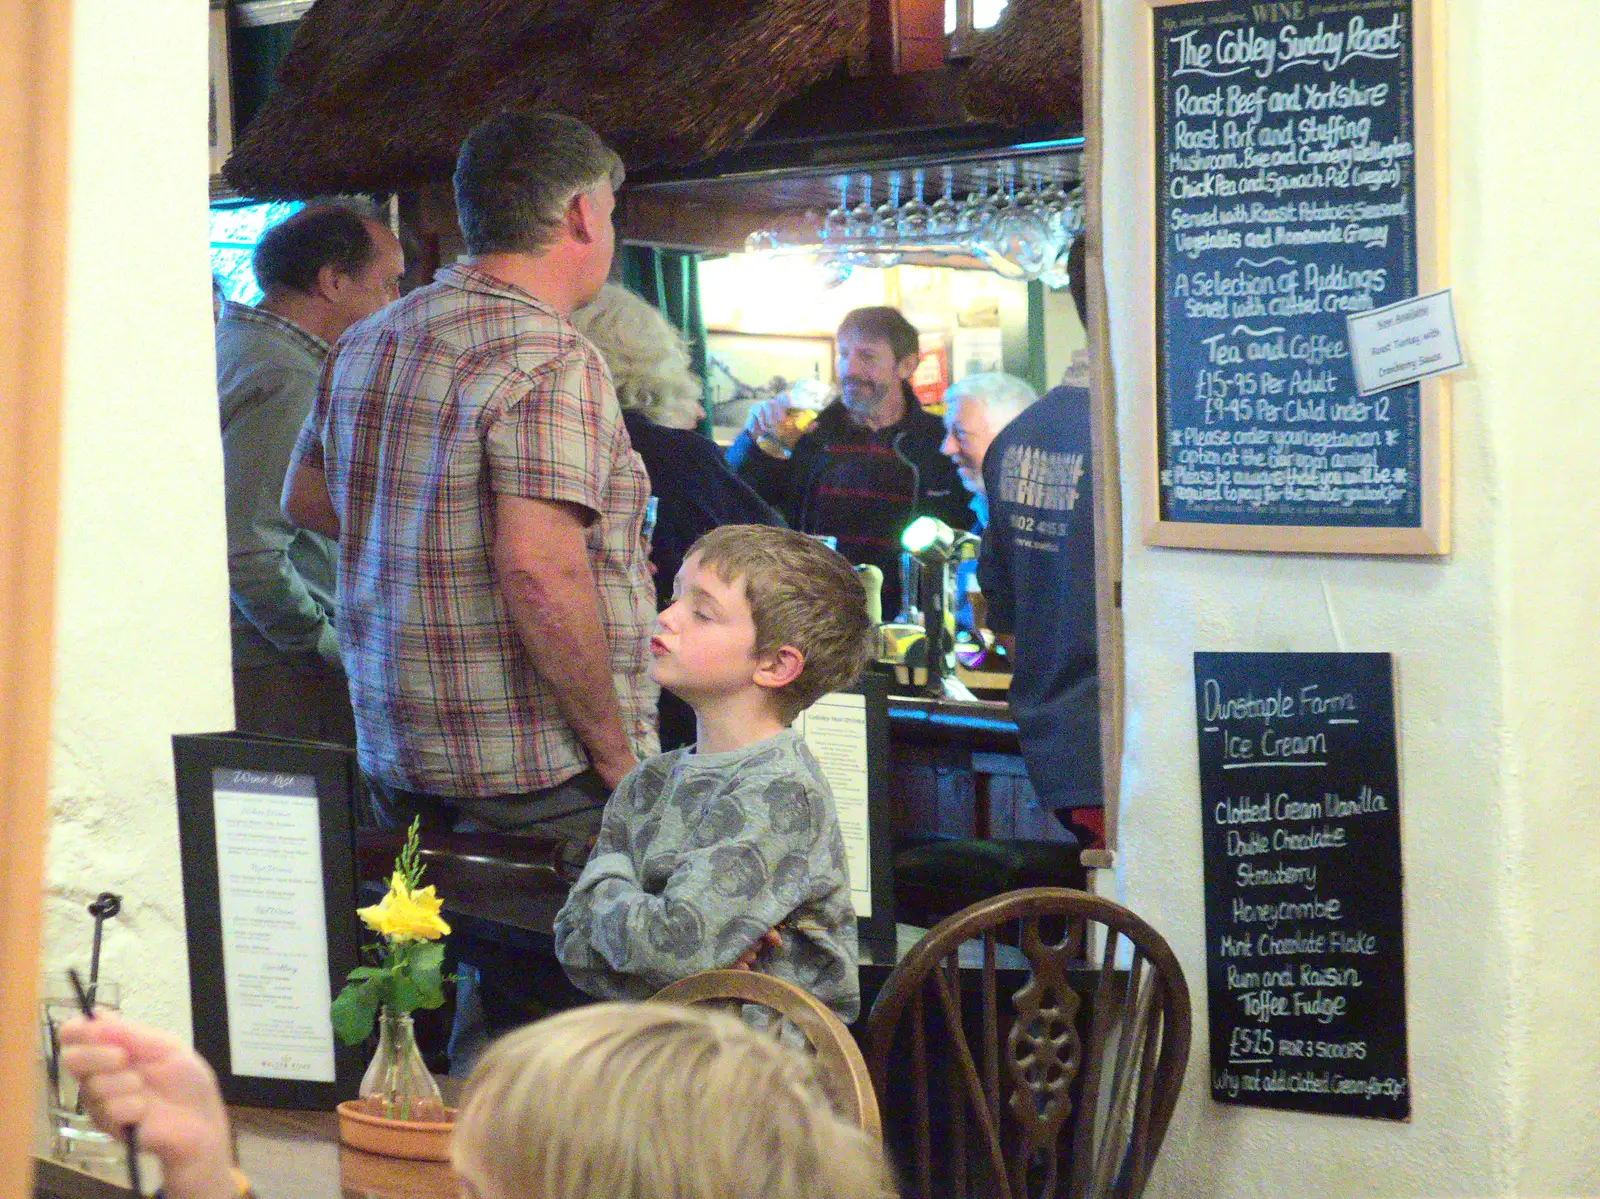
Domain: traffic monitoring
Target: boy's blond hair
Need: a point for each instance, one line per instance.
(655, 1101)
(801, 593)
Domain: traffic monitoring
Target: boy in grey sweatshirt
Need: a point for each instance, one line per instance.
(728, 854)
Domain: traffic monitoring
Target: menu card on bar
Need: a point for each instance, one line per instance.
(274, 922)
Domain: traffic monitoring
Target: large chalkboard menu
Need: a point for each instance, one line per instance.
(1288, 196)
(1300, 811)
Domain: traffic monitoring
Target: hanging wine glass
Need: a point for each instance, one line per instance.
(987, 217)
(1055, 275)
(944, 212)
(835, 225)
(834, 271)
(886, 217)
(1006, 190)
(1029, 195)
(1072, 215)
(914, 213)
(1019, 243)
(1066, 227)
(1051, 202)
(969, 217)
(1048, 203)
(859, 226)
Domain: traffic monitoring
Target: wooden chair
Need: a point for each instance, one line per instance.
(1082, 1055)
(841, 1070)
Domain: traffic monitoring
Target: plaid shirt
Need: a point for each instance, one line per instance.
(467, 389)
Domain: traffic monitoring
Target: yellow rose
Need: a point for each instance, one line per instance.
(404, 915)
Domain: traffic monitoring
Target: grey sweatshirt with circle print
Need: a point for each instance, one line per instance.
(698, 856)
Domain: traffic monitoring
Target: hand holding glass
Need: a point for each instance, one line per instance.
(74, 1130)
(780, 422)
(132, 1076)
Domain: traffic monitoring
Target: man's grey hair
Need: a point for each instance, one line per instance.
(517, 173)
(1004, 396)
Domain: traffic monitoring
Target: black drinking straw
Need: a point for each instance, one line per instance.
(105, 906)
(131, 1132)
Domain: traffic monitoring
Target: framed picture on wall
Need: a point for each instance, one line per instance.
(221, 120)
(745, 368)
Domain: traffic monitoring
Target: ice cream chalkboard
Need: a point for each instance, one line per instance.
(1290, 191)
(1300, 811)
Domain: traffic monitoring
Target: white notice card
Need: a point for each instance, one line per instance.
(274, 925)
(835, 731)
(1401, 343)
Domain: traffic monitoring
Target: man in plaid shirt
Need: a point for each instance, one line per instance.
(467, 449)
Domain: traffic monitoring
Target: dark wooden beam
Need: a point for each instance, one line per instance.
(687, 222)
(844, 122)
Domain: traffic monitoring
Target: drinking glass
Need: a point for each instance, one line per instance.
(886, 217)
(1019, 244)
(1005, 190)
(1029, 195)
(986, 216)
(1055, 275)
(73, 1134)
(762, 241)
(836, 224)
(944, 212)
(969, 216)
(834, 269)
(1050, 202)
(914, 213)
(805, 399)
(859, 226)
(1072, 215)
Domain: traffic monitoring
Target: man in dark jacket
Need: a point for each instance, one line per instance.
(1037, 575)
(870, 464)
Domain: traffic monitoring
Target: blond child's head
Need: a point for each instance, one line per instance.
(801, 595)
(655, 1101)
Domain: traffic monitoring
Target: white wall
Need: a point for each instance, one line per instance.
(1494, 652)
(1530, 240)
(142, 635)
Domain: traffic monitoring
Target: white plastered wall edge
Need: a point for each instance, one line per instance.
(142, 608)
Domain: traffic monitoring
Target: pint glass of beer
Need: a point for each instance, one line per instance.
(805, 400)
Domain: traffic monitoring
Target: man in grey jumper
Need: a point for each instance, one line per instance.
(322, 269)
(728, 854)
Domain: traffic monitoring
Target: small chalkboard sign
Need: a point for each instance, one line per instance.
(1300, 812)
(1292, 185)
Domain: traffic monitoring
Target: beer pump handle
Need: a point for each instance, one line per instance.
(872, 580)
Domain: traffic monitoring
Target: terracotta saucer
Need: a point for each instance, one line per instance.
(395, 1138)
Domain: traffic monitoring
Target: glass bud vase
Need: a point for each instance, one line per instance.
(397, 1085)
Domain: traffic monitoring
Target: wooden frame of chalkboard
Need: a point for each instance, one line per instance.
(1356, 483)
